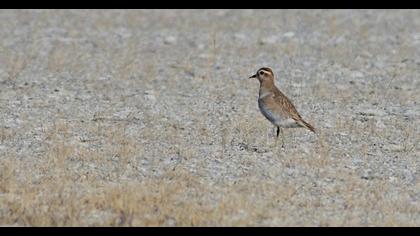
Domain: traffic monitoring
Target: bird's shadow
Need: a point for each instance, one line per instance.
(246, 147)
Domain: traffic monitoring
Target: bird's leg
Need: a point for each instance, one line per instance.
(282, 139)
(282, 136)
(277, 137)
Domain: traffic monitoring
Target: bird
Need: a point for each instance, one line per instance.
(275, 106)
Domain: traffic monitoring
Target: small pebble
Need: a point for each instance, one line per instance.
(170, 40)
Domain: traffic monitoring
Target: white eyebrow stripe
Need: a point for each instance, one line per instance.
(266, 71)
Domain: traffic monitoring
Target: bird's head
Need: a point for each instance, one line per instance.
(264, 74)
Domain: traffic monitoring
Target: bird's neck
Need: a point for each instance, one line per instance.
(266, 87)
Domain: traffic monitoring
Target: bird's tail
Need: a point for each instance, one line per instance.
(307, 125)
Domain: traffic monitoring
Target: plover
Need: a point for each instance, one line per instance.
(275, 106)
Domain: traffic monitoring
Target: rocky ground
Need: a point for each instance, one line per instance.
(147, 118)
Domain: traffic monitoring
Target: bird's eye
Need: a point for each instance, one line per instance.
(261, 72)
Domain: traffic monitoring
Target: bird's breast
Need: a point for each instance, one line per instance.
(274, 115)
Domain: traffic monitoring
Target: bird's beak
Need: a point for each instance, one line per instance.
(254, 76)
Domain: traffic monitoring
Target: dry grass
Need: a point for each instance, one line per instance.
(54, 192)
